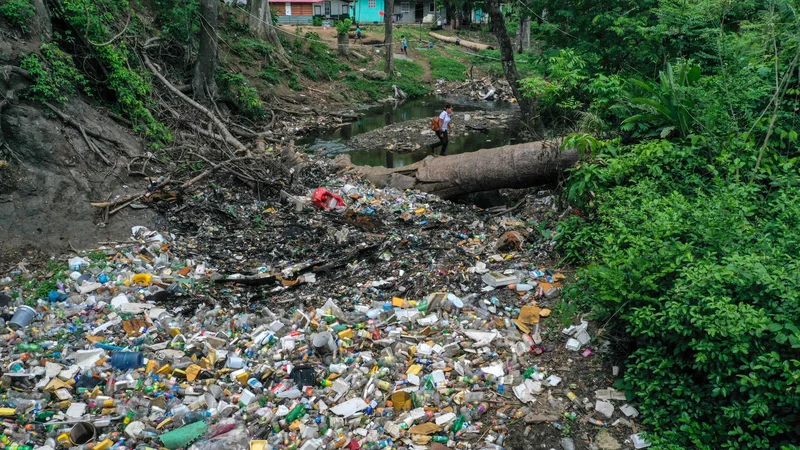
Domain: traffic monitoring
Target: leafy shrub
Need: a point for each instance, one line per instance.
(294, 83)
(271, 75)
(700, 269)
(177, 19)
(668, 105)
(130, 83)
(247, 47)
(447, 69)
(273, 13)
(561, 91)
(343, 26)
(55, 77)
(246, 98)
(316, 21)
(18, 13)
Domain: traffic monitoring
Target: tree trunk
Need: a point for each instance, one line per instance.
(203, 83)
(388, 14)
(512, 166)
(524, 34)
(42, 25)
(343, 41)
(527, 106)
(260, 23)
(470, 45)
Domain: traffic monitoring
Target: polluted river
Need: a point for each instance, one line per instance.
(399, 134)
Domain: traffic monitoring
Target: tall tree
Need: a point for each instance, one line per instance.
(260, 23)
(524, 32)
(388, 15)
(203, 84)
(527, 105)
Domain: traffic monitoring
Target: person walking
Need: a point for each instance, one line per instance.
(404, 45)
(441, 129)
(358, 34)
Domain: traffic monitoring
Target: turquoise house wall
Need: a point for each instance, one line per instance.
(364, 14)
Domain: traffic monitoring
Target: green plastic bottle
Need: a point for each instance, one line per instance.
(29, 347)
(296, 413)
(460, 422)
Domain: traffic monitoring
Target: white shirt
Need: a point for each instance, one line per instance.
(445, 120)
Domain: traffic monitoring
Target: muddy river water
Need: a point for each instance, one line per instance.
(377, 117)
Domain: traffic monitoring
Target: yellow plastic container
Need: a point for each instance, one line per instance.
(142, 278)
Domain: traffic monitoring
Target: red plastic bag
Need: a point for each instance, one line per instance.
(326, 199)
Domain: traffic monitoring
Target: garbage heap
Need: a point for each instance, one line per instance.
(410, 323)
(487, 88)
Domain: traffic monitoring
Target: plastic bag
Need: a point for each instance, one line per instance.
(326, 199)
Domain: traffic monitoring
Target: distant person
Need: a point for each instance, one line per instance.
(404, 45)
(440, 126)
(358, 34)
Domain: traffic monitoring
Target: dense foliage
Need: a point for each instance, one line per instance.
(54, 75)
(686, 201)
(17, 13)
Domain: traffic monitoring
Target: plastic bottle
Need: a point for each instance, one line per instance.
(296, 413)
(195, 416)
(459, 423)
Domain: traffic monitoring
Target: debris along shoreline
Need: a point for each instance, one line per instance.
(391, 320)
(415, 135)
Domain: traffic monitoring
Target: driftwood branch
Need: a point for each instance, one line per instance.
(214, 119)
(454, 40)
(75, 124)
(212, 170)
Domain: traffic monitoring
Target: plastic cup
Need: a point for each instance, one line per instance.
(82, 433)
(127, 360)
(22, 317)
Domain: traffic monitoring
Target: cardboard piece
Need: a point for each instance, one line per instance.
(425, 428)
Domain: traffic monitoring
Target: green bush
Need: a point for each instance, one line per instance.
(177, 19)
(55, 77)
(129, 82)
(700, 268)
(246, 98)
(561, 92)
(271, 75)
(294, 83)
(18, 13)
(447, 69)
(343, 26)
(316, 21)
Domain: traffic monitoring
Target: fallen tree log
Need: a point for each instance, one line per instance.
(509, 167)
(470, 45)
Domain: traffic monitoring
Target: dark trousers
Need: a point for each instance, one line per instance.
(443, 141)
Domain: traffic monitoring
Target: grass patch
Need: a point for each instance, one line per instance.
(447, 69)
(374, 89)
(408, 69)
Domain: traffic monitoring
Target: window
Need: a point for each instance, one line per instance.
(328, 9)
(432, 7)
(405, 7)
(371, 3)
